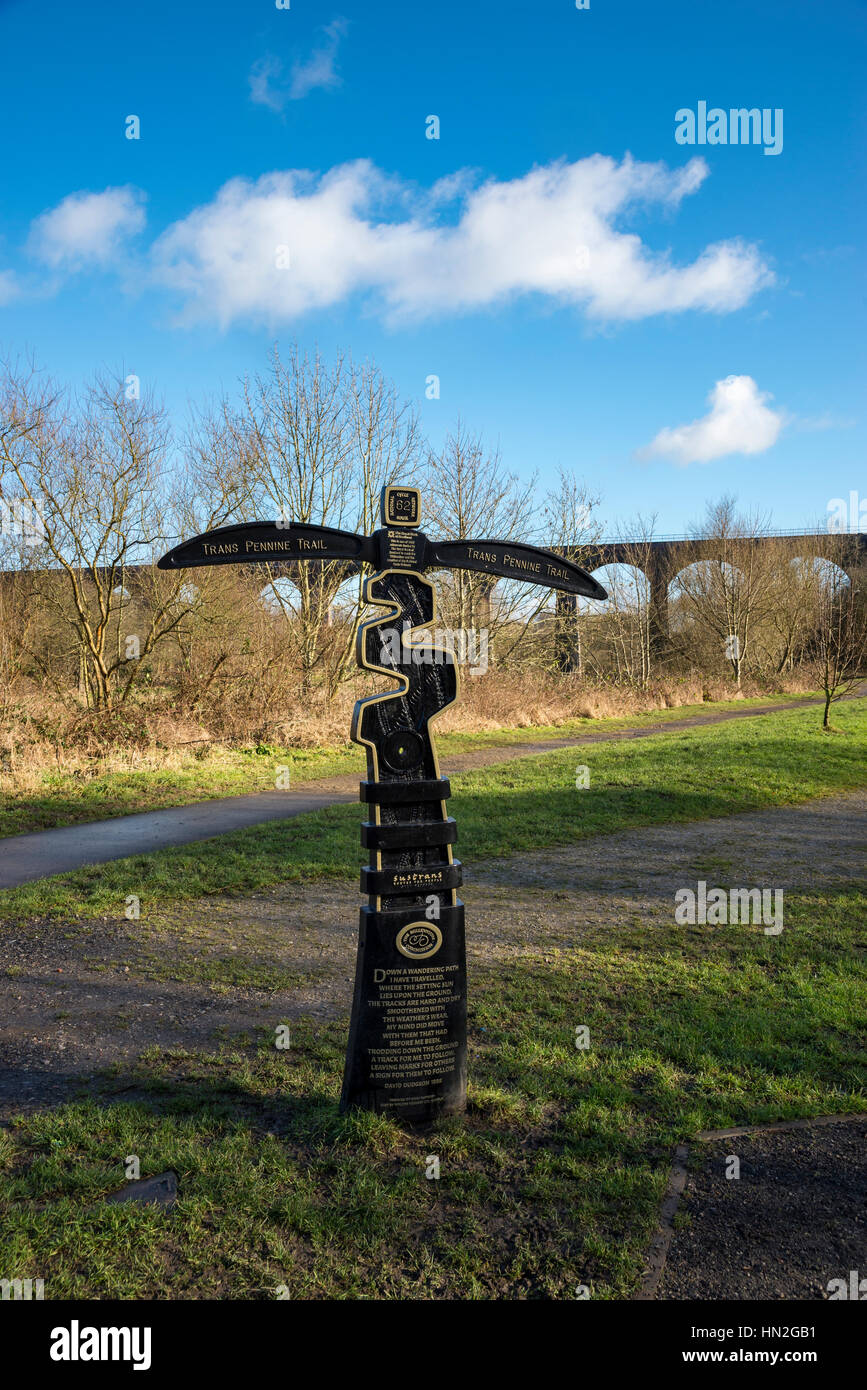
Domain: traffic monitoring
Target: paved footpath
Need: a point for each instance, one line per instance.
(43, 853)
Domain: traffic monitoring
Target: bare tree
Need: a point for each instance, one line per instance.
(725, 587)
(93, 468)
(841, 637)
(470, 495)
(622, 627)
(216, 484)
(792, 584)
(636, 595)
(296, 435)
(572, 528)
(314, 442)
(385, 446)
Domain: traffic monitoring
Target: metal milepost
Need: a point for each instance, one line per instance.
(407, 1051)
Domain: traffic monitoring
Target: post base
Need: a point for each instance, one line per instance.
(407, 1053)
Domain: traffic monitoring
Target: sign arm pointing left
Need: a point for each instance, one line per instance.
(264, 542)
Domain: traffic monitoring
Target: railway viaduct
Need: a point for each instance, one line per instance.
(661, 560)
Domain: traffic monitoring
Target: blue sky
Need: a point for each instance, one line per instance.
(671, 321)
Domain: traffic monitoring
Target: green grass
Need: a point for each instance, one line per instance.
(718, 770)
(66, 797)
(552, 1180)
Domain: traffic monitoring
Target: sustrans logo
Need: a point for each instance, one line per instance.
(77, 1343)
(419, 940)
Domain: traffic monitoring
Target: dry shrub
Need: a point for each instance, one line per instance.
(41, 733)
(527, 699)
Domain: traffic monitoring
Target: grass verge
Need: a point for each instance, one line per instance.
(718, 770)
(552, 1180)
(63, 797)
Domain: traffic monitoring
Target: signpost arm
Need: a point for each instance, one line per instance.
(267, 543)
(515, 560)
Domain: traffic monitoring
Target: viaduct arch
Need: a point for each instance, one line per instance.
(663, 559)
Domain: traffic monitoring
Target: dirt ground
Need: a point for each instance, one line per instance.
(793, 1221)
(79, 998)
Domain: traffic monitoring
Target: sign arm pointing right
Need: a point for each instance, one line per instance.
(514, 560)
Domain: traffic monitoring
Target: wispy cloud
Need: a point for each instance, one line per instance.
(739, 422)
(9, 287)
(555, 232)
(265, 77)
(318, 70)
(813, 424)
(87, 229)
(269, 85)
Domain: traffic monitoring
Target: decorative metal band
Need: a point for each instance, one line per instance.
(405, 793)
(409, 834)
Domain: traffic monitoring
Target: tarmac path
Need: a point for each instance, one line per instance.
(44, 853)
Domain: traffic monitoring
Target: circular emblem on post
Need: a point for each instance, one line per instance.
(418, 940)
(403, 750)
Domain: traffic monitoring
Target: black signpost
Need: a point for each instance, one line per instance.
(407, 1052)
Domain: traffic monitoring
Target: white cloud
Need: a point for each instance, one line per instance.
(9, 287)
(555, 232)
(738, 422)
(87, 228)
(268, 87)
